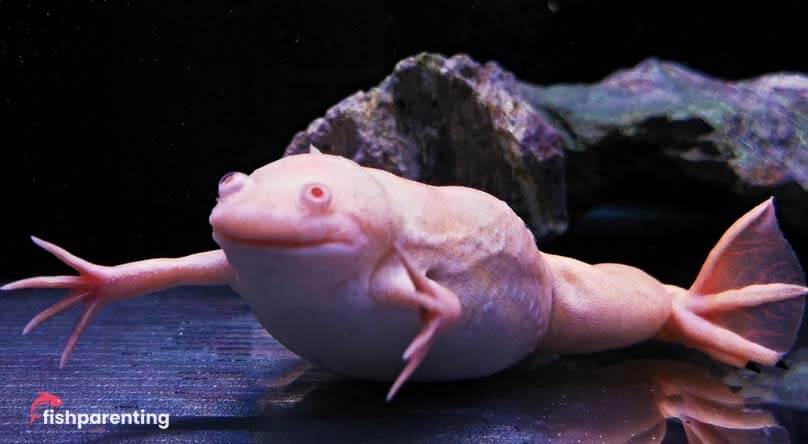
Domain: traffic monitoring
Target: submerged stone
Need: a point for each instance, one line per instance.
(452, 121)
(748, 137)
(657, 129)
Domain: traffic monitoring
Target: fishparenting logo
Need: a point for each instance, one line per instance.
(47, 402)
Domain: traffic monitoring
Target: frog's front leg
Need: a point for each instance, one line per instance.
(398, 281)
(97, 285)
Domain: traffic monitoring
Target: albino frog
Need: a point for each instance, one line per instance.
(354, 268)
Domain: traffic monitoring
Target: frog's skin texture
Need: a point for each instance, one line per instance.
(354, 269)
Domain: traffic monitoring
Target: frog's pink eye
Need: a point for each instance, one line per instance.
(231, 183)
(316, 195)
(316, 192)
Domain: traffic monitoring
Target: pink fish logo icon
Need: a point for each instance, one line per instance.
(42, 399)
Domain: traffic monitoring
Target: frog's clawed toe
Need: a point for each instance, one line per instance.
(85, 287)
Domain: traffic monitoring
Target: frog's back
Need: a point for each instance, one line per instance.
(475, 245)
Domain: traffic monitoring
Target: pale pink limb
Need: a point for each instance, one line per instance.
(69, 301)
(440, 308)
(46, 282)
(413, 361)
(72, 261)
(723, 356)
(81, 325)
(97, 285)
(747, 302)
(423, 339)
(701, 332)
(749, 296)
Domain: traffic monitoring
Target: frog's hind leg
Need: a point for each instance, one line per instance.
(748, 299)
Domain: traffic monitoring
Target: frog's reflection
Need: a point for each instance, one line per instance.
(629, 402)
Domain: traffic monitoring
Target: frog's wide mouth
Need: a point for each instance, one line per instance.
(279, 243)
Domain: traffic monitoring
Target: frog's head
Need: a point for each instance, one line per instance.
(309, 207)
(303, 235)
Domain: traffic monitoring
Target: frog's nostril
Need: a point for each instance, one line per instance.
(231, 183)
(227, 178)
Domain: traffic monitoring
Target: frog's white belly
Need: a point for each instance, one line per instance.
(330, 320)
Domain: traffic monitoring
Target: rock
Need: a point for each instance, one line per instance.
(747, 137)
(452, 121)
(658, 131)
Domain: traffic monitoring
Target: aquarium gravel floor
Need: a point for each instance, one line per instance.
(201, 356)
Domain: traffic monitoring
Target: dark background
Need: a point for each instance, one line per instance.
(121, 116)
